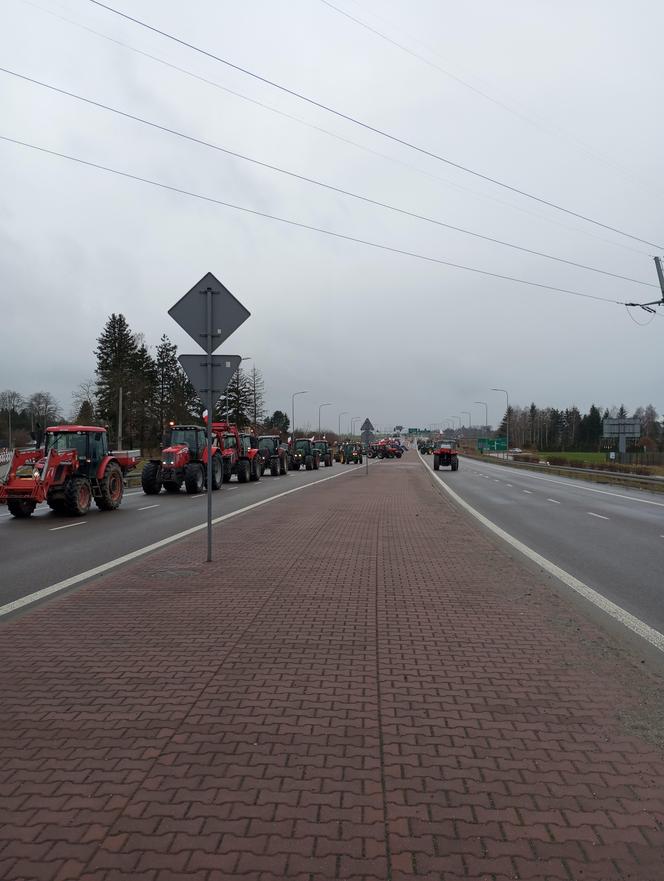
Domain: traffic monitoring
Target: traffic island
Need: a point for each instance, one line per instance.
(363, 685)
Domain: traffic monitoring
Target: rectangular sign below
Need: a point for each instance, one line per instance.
(223, 369)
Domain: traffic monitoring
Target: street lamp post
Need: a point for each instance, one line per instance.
(467, 413)
(486, 412)
(293, 411)
(352, 424)
(343, 413)
(507, 419)
(320, 407)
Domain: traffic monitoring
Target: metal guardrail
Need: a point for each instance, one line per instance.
(594, 475)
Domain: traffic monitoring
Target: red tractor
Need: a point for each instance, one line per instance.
(239, 452)
(445, 454)
(73, 469)
(183, 460)
(275, 454)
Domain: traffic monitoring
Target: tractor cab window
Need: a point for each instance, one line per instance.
(98, 446)
(302, 445)
(249, 442)
(230, 442)
(67, 440)
(322, 446)
(185, 436)
(269, 443)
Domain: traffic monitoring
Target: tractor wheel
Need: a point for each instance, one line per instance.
(309, 463)
(255, 469)
(172, 486)
(151, 478)
(21, 508)
(217, 471)
(283, 466)
(111, 488)
(56, 505)
(274, 466)
(227, 470)
(328, 461)
(193, 478)
(436, 463)
(359, 461)
(243, 471)
(78, 496)
(316, 463)
(455, 465)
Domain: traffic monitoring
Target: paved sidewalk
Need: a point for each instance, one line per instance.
(366, 687)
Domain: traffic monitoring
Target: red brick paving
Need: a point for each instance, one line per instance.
(365, 688)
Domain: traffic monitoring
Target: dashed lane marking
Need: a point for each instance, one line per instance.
(645, 631)
(140, 552)
(528, 491)
(601, 492)
(147, 507)
(68, 525)
(555, 501)
(599, 516)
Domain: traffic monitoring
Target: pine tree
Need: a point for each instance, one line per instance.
(258, 396)
(141, 409)
(85, 414)
(240, 401)
(116, 353)
(278, 422)
(169, 375)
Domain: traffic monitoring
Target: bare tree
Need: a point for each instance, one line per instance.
(83, 399)
(12, 402)
(44, 409)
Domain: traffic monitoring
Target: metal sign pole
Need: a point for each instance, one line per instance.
(210, 404)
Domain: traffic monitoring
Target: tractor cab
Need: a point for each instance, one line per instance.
(89, 444)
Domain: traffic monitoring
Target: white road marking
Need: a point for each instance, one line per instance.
(530, 492)
(495, 480)
(555, 502)
(654, 637)
(68, 526)
(602, 492)
(508, 484)
(599, 516)
(140, 552)
(147, 507)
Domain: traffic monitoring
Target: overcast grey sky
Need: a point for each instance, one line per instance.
(572, 115)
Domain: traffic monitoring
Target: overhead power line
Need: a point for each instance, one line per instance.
(365, 125)
(520, 114)
(318, 183)
(295, 223)
(317, 128)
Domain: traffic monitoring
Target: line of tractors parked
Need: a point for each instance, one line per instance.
(73, 467)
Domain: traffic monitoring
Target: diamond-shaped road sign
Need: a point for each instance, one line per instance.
(223, 368)
(191, 313)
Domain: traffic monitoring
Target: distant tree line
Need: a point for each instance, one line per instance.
(570, 430)
(154, 390)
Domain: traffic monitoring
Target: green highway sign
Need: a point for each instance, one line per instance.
(492, 444)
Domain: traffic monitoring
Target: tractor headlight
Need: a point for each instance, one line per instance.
(35, 474)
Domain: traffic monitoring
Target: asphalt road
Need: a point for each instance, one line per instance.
(49, 548)
(611, 538)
